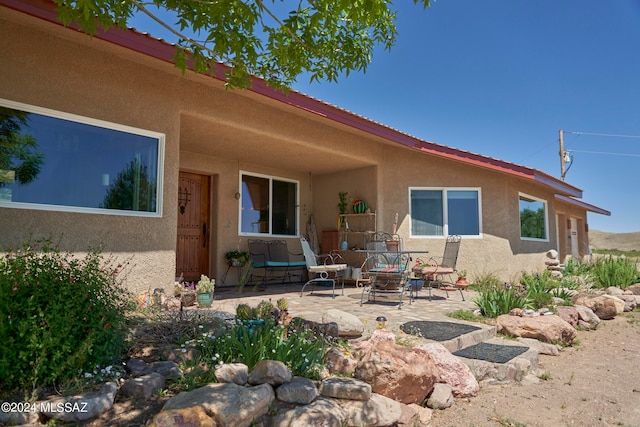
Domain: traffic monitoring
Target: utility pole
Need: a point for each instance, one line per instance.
(563, 172)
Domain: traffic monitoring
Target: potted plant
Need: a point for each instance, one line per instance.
(342, 205)
(342, 210)
(462, 281)
(393, 244)
(204, 289)
(237, 258)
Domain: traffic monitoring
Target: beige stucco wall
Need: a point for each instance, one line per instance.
(221, 133)
(45, 70)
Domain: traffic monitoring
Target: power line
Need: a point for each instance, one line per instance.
(604, 134)
(566, 156)
(611, 154)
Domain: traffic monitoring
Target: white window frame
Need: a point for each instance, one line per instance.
(445, 209)
(271, 178)
(546, 217)
(103, 124)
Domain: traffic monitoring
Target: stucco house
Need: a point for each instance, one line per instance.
(174, 170)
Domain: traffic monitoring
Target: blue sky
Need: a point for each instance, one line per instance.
(502, 77)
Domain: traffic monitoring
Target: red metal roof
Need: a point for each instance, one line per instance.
(160, 49)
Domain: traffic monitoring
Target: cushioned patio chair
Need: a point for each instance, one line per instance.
(438, 272)
(326, 272)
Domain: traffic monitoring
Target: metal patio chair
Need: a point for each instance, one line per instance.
(326, 272)
(437, 272)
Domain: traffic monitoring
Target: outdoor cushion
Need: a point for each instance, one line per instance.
(284, 264)
(328, 268)
(432, 269)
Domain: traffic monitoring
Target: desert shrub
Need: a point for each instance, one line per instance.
(538, 288)
(251, 341)
(570, 282)
(487, 281)
(60, 315)
(563, 294)
(574, 267)
(496, 300)
(614, 271)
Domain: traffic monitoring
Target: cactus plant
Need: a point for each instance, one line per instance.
(244, 312)
(264, 310)
(282, 304)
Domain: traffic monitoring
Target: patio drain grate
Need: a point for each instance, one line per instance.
(436, 331)
(495, 353)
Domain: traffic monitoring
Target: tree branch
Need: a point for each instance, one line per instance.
(181, 36)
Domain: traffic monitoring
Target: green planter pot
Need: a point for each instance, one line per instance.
(205, 299)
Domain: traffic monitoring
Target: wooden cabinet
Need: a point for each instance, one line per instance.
(330, 241)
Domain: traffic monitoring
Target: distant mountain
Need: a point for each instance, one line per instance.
(621, 241)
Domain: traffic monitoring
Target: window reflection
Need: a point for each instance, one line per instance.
(440, 212)
(74, 164)
(269, 206)
(532, 218)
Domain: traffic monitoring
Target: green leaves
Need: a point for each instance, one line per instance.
(614, 271)
(325, 38)
(251, 341)
(58, 314)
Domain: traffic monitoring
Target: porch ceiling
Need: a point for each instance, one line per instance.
(249, 145)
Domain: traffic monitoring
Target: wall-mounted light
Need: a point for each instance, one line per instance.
(183, 198)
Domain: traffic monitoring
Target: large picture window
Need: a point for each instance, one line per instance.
(442, 212)
(269, 206)
(56, 161)
(533, 218)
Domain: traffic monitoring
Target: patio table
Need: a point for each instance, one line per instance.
(390, 273)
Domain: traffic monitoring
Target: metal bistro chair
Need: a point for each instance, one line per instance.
(434, 272)
(386, 267)
(321, 273)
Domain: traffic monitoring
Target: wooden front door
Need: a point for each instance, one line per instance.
(192, 248)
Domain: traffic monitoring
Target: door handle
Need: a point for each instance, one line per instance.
(204, 234)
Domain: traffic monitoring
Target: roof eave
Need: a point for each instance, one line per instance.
(589, 207)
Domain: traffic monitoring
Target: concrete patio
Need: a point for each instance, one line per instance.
(311, 306)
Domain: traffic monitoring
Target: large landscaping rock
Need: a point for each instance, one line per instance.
(603, 307)
(568, 314)
(399, 373)
(588, 316)
(550, 329)
(349, 326)
(299, 390)
(81, 407)
(341, 362)
(272, 372)
(452, 371)
(634, 289)
(185, 417)
(321, 412)
(230, 405)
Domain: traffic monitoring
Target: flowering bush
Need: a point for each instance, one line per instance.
(59, 315)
